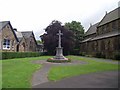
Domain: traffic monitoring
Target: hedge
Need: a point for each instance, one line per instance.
(11, 55)
(117, 55)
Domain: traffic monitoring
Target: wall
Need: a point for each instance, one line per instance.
(8, 34)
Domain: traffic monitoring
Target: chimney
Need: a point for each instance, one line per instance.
(15, 29)
(106, 12)
(90, 24)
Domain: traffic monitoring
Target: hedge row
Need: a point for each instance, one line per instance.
(11, 55)
(115, 56)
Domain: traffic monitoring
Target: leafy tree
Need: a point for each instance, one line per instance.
(78, 31)
(50, 38)
(39, 42)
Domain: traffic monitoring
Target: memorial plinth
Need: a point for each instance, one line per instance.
(59, 54)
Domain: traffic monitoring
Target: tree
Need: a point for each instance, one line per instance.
(50, 38)
(39, 42)
(78, 31)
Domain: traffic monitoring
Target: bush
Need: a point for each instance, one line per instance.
(82, 53)
(11, 55)
(117, 56)
(58, 61)
(99, 55)
(75, 52)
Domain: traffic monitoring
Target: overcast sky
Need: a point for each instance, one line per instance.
(35, 15)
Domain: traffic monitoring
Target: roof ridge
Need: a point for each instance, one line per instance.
(113, 10)
(112, 15)
(4, 21)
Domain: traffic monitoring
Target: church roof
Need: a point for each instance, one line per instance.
(88, 39)
(3, 24)
(107, 35)
(92, 29)
(111, 16)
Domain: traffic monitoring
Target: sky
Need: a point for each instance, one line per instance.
(36, 15)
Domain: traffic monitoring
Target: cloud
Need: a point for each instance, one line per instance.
(26, 15)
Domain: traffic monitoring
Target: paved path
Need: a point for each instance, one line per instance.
(97, 80)
(40, 76)
(93, 80)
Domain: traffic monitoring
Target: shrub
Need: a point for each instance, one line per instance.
(82, 53)
(58, 61)
(89, 55)
(117, 56)
(75, 52)
(99, 55)
(11, 55)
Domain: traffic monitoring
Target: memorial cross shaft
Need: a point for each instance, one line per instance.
(59, 42)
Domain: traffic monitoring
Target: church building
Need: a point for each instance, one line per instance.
(103, 38)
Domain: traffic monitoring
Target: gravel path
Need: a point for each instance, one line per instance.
(40, 76)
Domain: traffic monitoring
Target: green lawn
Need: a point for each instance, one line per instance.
(0, 74)
(59, 72)
(17, 73)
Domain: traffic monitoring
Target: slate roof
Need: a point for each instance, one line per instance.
(3, 24)
(19, 35)
(92, 29)
(111, 16)
(88, 39)
(107, 35)
(27, 34)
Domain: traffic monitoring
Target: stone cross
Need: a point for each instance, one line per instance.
(59, 34)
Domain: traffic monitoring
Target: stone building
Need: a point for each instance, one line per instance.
(103, 37)
(8, 38)
(15, 41)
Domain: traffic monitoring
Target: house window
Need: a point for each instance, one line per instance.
(6, 44)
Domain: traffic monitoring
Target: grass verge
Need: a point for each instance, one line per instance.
(17, 73)
(59, 72)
